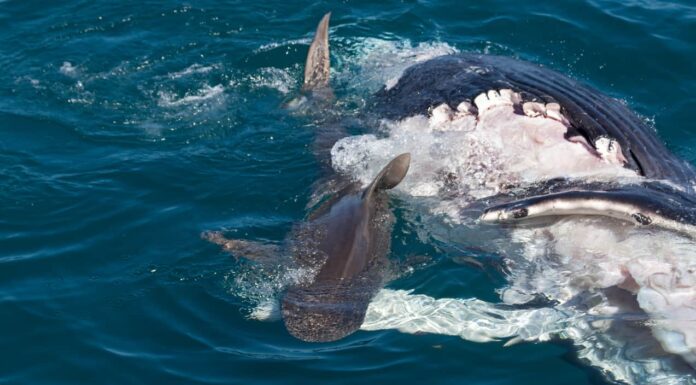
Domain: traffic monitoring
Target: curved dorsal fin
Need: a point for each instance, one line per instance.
(391, 175)
(316, 75)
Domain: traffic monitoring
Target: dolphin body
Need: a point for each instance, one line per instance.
(346, 240)
(344, 243)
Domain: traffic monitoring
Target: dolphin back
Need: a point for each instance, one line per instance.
(353, 240)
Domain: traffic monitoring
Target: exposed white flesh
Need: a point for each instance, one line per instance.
(481, 150)
(478, 149)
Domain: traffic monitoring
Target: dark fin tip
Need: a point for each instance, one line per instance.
(391, 175)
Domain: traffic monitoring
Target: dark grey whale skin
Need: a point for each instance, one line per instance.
(454, 78)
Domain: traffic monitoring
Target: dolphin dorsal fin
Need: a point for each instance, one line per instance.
(391, 175)
(316, 75)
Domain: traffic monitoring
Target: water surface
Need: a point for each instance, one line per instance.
(127, 128)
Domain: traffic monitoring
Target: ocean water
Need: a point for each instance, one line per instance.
(128, 128)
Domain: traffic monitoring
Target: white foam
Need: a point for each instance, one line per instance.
(191, 70)
(267, 311)
(285, 43)
(68, 69)
(206, 93)
(279, 79)
(361, 64)
(367, 64)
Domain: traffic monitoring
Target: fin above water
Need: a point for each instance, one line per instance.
(317, 66)
(391, 175)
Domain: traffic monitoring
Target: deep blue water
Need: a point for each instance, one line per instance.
(127, 128)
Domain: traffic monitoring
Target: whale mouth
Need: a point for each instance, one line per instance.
(482, 147)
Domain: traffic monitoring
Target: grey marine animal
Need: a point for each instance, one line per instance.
(344, 243)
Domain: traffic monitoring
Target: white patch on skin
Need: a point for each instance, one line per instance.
(480, 149)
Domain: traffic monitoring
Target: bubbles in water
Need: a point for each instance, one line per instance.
(279, 79)
(192, 70)
(204, 94)
(68, 69)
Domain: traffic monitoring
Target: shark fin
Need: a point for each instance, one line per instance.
(316, 75)
(391, 175)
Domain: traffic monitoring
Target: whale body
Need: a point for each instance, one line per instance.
(598, 214)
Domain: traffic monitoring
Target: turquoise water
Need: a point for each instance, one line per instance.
(127, 128)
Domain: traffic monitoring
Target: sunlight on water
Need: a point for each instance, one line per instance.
(130, 128)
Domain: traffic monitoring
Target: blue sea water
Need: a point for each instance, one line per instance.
(128, 128)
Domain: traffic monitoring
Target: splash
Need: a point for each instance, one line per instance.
(259, 286)
(206, 93)
(480, 149)
(621, 347)
(282, 80)
(192, 70)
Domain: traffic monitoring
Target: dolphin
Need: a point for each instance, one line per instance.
(344, 246)
(344, 243)
(347, 239)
